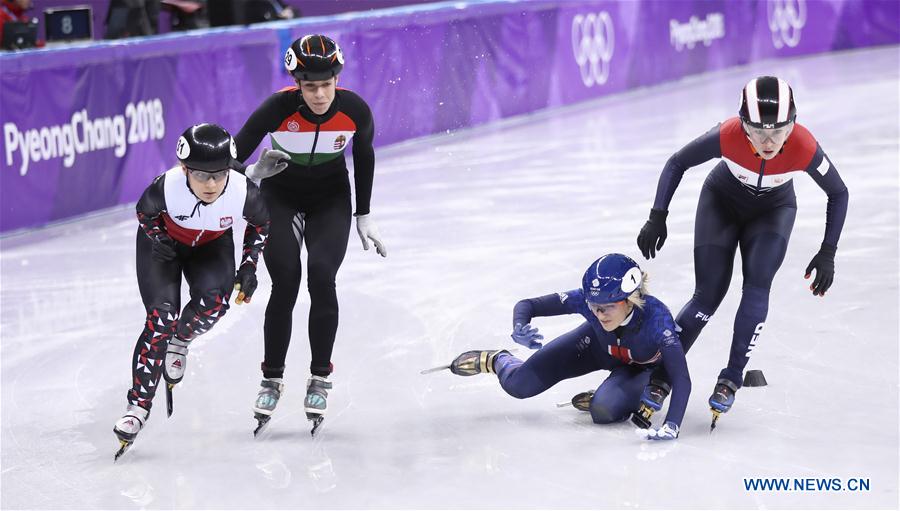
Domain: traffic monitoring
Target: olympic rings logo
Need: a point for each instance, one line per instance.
(593, 43)
(786, 19)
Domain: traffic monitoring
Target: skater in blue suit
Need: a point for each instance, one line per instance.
(626, 331)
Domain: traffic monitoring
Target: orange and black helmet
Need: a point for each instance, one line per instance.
(314, 57)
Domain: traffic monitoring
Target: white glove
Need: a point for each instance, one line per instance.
(668, 431)
(268, 165)
(367, 230)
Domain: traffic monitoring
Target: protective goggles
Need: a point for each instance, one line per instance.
(763, 135)
(603, 308)
(204, 175)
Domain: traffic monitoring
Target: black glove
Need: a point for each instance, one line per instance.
(653, 234)
(823, 263)
(163, 249)
(245, 283)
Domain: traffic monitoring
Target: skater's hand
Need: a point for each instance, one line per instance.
(653, 234)
(527, 336)
(367, 230)
(245, 283)
(163, 249)
(271, 162)
(668, 431)
(823, 263)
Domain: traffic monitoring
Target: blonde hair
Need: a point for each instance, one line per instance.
(637, 298)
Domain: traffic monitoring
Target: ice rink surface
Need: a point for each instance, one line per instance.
(474, 221)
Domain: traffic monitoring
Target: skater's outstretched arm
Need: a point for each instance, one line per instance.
(704, 148)
(676, 366)
(255, 236)
(556, 304)
(826, 176)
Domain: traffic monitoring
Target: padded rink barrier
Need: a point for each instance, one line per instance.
(85, 128)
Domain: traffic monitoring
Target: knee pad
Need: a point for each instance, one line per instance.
(606, 410)
(201, 314)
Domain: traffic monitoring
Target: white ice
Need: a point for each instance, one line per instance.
(474, 221)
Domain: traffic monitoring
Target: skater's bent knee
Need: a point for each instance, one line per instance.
(519, 393)
(602, 414)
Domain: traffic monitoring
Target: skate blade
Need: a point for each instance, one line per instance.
(317, 422)
(169, 399)
(262, 423)
(640, 421)
(564, 404)
(715, 418)
(434, 369)
(124, 445)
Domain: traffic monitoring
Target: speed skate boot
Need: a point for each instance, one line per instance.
(582, 400)
(316, 402)
(721, 400)
(475, 362)
(128, 427)
(269, 393)
(175, 365)
(652, 399)
(176, 360)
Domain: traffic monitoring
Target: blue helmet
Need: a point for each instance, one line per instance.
(612, 278)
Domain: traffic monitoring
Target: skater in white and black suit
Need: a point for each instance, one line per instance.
(186, 217)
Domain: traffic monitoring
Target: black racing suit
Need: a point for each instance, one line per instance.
(309, 202)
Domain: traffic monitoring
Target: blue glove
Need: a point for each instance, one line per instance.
(527, 336)
(668, 431)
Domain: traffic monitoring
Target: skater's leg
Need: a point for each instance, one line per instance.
(327, 233)
(763, 247)
(567, 356)
(620, 394)
(160, 286)
(209, 271)
(282, 257)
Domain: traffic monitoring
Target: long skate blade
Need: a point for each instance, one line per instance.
(434, 369)
(564, 404)
(124, 445)
(169, 399)
(317, 421)
(262, 423)
(712, 426)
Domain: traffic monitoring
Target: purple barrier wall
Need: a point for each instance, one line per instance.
(88, 128)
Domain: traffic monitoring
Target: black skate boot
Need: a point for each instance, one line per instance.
(721, 400)
(652, 400)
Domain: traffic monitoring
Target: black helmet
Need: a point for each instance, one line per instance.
(314, 57)
(767, 102)
(207, 147)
